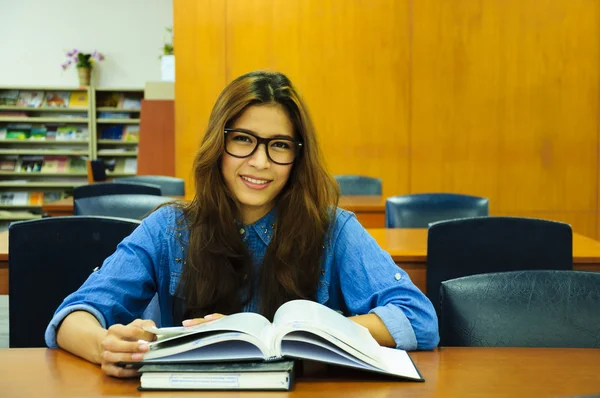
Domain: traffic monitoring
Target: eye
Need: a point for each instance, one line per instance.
(281, 145)
(242, 138)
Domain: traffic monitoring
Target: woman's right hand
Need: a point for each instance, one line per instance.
(125, 343)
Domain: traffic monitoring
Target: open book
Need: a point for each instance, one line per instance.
(300, 329)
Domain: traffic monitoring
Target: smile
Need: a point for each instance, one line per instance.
(252, 180)
(255, 183)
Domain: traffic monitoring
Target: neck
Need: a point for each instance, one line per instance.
(251, 214)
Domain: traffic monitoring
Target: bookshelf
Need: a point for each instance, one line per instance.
(48, 133)
(116, 128)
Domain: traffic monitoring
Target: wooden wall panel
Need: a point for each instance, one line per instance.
(505, 104)
(199, 41)
(349, 59)
(498, 98)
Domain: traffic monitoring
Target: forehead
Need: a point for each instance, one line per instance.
(265, 120)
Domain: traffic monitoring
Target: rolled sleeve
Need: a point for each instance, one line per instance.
(398, 325)
(371, 282)
(52, 328)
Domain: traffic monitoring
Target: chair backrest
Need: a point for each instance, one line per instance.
(50, 258)
(471, 246)
(419, 210)
(125, 206)
(522, 309)
(111, 188)
(169, 186)
(351, 185)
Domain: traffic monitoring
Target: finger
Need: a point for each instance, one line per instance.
(131, 333)
(117, 371)
(141, 323)
(198, 321)
(115, 344)
(109, 357)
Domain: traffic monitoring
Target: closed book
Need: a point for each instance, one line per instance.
(300, 329)
(278, 375)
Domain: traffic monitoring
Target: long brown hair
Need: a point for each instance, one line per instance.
(217, 275)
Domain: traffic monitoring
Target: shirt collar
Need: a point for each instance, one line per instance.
(264, 227)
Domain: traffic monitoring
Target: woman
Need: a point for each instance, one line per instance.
(262, 229)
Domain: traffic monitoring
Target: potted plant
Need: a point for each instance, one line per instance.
(167, 58)
(84, 63)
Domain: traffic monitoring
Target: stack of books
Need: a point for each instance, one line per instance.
(247, 352)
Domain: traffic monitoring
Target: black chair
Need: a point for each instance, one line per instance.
(471, 246)
(169, 186)
(522, 309)
(50, 258)
(111, 188)
(419, 210)
(351, 185)
(125, 206)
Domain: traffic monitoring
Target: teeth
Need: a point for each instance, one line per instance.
(252, 180)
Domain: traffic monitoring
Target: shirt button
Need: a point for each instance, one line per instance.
(398, 276)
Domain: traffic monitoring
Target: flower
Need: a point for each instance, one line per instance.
(81, 59)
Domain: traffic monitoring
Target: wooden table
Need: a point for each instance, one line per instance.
(408, 248)
(370, 210)
(448, 372)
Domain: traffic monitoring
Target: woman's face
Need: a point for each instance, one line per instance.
(256, 181)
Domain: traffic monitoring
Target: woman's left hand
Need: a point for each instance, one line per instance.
(198, 321)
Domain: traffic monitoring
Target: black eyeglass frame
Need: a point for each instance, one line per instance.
(266, 141)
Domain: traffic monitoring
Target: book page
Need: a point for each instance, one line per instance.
(216, 346)
(304, 315)
(246, 322)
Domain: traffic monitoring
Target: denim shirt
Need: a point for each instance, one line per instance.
(357, 277)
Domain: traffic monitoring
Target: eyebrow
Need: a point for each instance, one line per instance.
(284, 136)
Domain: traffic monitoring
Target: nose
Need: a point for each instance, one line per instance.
(259, 159)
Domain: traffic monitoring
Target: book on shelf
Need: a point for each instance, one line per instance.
(30, 99)
(9, 97)
(131, 102)
(119, 132)
(14, 198)
(109, 100)
(57, 99)
(131, 133)
(300, 329)
(276, 375)
(31, 164)
(55, 164)
(78, 99)
(9, 163)
(113, 115)
(22, 198)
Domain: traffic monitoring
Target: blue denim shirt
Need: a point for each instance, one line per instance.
(357, 277)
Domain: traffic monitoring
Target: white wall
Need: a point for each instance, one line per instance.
(36, 34)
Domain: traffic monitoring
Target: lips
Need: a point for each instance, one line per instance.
(253, 180)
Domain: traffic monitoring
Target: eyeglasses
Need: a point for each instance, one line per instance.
(242, 143)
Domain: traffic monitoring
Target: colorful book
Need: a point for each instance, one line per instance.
(109, 100)
(9, 97)
(31, 99)
(78, 99)
(57, 99)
